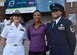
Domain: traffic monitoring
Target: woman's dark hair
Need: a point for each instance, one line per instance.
(36, 11)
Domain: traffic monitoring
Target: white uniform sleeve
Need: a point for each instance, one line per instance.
(25, 35)
(4, 32)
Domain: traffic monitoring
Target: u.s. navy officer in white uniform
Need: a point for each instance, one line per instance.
(13, 36)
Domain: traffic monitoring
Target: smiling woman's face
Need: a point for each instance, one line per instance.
(16, 19)
(37, 16)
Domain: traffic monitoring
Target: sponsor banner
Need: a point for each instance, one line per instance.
(24, 6)
(22, 10)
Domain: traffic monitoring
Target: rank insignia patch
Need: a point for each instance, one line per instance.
(71, 28)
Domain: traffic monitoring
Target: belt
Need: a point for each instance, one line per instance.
(14, 44)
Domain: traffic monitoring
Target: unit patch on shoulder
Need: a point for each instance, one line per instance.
(71, 28)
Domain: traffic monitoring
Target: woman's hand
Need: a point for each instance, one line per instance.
(3, 41)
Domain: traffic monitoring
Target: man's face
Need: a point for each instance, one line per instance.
(56, 14)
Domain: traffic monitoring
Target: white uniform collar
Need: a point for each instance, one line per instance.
(57, 20)
(13, 25)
